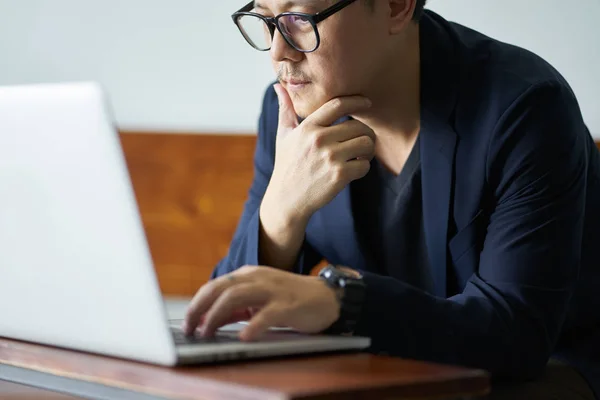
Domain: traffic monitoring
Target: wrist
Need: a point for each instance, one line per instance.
(280, 236)
(350, 289)
(280, 213)
(332, 307)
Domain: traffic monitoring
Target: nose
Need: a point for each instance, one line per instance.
(281, 50)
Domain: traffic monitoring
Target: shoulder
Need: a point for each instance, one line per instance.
(486, 58)
(488, 77)
(500, 85)
(513, 110)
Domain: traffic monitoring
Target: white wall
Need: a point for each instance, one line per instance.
(174, 65)
(182, 65)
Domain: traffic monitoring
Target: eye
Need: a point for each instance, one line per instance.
(299, 20)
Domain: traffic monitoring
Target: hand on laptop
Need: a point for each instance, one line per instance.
(266, 297)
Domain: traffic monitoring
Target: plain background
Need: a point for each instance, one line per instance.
(183, 66)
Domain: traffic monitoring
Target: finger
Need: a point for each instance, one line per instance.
(360, 147)
(337, 108)
(261, 322)
(357, 169)
(205, 297)
(348, 130)
(240, 315)
(231, 301)
(288, 119)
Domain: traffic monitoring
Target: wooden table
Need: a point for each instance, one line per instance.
(326, 376)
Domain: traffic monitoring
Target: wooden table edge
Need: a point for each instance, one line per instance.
(478, 381)
(462, 382)
(234, 390)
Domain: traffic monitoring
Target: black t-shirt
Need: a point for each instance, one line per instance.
(388, 213)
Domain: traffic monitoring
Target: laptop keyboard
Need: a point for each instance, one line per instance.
(180, 338)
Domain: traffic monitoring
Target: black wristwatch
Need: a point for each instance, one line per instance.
(352, 294)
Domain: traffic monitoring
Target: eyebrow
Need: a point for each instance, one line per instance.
(289, 4)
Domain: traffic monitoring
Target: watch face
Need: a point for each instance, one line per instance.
(341, 276)
(327, 272)
(349, 273)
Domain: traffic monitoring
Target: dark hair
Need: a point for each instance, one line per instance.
(418, 8)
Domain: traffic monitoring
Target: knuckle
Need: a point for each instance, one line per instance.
(209, 291)
(329, 156)
(318, 139)
(247, 269)
(367, 141)
(230, 294)
(238, 292)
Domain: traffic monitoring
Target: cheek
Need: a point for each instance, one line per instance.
(325, 72)
(343, 63)
(341, 72)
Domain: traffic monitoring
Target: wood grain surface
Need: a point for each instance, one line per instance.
(191, 191)
(354, 375)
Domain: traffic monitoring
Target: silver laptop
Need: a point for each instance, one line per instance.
(75, 267)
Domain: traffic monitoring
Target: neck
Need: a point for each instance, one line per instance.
(395, 113)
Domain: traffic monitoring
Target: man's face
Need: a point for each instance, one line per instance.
(345, 63)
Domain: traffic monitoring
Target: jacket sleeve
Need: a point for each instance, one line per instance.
(244, 248)
(509, 315)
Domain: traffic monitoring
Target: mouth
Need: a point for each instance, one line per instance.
(295, 84)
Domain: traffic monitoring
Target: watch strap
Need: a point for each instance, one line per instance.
(351, 299)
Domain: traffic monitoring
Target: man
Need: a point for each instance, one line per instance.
(448, 176)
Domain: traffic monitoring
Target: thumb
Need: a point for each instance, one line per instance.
(287, 116)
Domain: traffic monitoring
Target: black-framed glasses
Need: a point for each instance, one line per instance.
(298, 29)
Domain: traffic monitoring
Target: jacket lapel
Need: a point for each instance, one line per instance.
(440, 75)
(438, 145)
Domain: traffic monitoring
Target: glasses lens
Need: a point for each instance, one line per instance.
(256, 31)
(299, 31)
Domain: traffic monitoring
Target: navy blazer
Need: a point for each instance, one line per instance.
(511, 208)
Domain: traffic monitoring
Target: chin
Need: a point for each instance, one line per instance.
(302, 111)
(305, 106)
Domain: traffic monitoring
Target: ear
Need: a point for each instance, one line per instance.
(401, 13)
